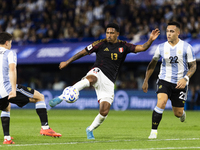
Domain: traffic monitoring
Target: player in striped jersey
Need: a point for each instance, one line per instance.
(20, 95)
(174, 75)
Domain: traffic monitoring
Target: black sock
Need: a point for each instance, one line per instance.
(156, 118)
(42, 113)
(5, 125)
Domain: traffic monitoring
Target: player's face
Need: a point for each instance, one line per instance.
(172, 33)
(9, 44)
(111, 35)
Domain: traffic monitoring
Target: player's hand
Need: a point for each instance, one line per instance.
(154, 34)
(63, 65)
(181, 84)
(12, 94)
(145, 87)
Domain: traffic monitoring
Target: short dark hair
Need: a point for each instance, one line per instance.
(113, 25)
(4, 36)
(175, 24)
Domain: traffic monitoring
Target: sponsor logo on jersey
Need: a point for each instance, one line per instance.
(121, 49)
(106, 49)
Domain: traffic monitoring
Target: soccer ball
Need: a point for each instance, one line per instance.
(70, 94)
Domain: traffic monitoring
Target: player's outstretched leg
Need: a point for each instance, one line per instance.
(49, 132)
(183, 117)
(55, 101)
(89, 133)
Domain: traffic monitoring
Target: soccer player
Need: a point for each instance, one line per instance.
(110, 54)
(174, 75)
(20, 95)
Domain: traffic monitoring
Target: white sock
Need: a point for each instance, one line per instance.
(97, 122)
(45, 127)
(153, 130)
(7, 137)
(82, 84)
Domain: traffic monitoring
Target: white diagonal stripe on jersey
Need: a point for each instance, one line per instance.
(25, 93)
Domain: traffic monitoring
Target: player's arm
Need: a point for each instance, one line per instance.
(192, 68)
(149, 71)
(154, 34)
(73, 58)
(13, 79)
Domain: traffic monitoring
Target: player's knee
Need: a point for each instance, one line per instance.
(92, 79)
(7, 109)
(178, 114)
(38, 96)
(104, 113)
(42, 97)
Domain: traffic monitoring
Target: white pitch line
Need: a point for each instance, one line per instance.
(110, 141)
(163, 148)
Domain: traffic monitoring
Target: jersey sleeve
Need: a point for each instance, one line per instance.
(12, 57)
(93, 47)
(190, 54)
(131, 47)
(157, 54)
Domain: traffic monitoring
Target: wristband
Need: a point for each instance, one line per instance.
(186, 77)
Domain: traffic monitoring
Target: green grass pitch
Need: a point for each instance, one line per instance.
(122, 130)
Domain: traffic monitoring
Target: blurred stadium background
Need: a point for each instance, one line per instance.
(47, 32)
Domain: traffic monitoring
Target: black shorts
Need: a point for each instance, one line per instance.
(177, 96)
(21, 99)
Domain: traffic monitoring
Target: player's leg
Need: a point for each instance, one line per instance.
(86, 82)
(178, 99)
(178, 108)
(179, 113)
(5, 120)
(41, 110)
(104, 88)
(157, 114)
(103, 112)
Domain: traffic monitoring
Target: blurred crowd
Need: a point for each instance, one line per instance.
(59, 21)
(54, 21)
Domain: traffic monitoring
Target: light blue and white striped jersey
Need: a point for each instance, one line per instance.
(175, 60)
(6, 57)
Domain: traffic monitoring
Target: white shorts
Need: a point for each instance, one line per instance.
(104, 87)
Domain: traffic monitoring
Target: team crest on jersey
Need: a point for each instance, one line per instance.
(179, 52)
(121, 49)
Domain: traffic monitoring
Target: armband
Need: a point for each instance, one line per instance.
(186, 78)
